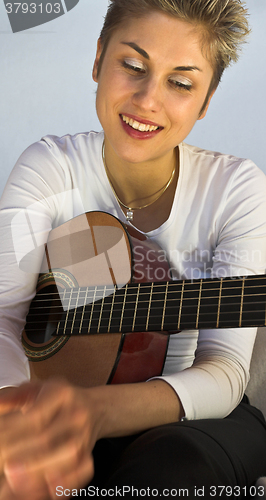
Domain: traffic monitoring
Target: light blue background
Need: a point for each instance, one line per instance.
(46, 86)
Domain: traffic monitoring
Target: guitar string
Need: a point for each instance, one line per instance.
(194, 282)
(127, 327)
(160, 301)
(154, 300)
(148, 286)
(189, 283)
(108, 298)
(175, 303)
(171, 321)
(170, 317)
(175, 300)
(39, 298)
(143, 309)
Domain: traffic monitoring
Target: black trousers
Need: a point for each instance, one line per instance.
(215, 458)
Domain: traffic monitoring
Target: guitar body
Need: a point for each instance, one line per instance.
(89, 250)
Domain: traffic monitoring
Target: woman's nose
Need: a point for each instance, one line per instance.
(148, 95)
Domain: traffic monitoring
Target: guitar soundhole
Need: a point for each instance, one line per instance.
(44, 314)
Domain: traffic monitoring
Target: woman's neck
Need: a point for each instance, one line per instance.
(137, 184)
(148, 187)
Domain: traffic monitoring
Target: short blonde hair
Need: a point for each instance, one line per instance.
(223, 23)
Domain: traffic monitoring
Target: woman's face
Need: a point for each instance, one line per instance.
(151, 87)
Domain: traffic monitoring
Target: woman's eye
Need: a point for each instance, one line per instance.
(181, 84)
(135, 66)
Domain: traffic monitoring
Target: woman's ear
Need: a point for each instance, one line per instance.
(203, 114)
(96, 62)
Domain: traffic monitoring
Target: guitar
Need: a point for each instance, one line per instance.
(104, 309)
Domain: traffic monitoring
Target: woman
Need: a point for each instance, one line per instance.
(187, 433)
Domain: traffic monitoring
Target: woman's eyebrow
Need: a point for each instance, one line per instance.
(143, 53)
(187, 68)
(134, 46)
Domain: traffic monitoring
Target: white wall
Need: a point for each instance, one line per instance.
(236, 120)
(46, 86)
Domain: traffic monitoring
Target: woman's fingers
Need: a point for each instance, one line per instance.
(73, 479)
(64, 475)
(52, 439)
(38, 487)
(32, 490)
(62, 439)
(14, 398)
(66, 456)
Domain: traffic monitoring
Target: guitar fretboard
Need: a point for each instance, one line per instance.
(164, 306)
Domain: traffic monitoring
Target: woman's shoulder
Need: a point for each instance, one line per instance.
(54, 153)
(212, 157)
(89, 138)
(220, 164)
(80, 143)
(51, 147)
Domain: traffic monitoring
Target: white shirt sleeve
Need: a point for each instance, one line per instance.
(27, 209)
(215, 383)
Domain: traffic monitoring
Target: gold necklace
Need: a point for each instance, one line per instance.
(130, 210)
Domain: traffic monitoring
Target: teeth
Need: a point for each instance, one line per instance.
(138, 126)
(142, 127)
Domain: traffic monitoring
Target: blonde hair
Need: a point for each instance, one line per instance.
(223, 23)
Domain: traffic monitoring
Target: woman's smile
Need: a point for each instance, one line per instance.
(139, 128)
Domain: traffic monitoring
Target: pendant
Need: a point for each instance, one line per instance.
(129, 215)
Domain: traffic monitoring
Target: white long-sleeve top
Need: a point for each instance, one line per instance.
(216, 228)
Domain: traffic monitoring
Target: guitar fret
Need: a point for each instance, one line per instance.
(149, 308)
(231, 303)
(83, 311)
(92, 308)
(111, 312)
(253, 313)
(181, 305)
(159, 307)
(209, 303)
(123, 308)
(101, 311)
(143, 305)
(198, 310)
(75, 312)
(191, 312)
(241, 303)
(68, 309)
(219, 303)
(164, 305)
(115, 322)
(59, 322)
(136, 306)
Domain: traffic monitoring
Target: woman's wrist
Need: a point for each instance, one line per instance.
(121, 410)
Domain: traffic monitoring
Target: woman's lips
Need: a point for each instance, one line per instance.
(137, 129)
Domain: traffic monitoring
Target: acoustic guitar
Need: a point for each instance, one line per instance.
(105, 304)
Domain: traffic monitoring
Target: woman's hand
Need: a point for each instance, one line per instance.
(48, 430)
(46, 439)
(40, 492)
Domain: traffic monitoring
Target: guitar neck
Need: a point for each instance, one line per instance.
(165, 306)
